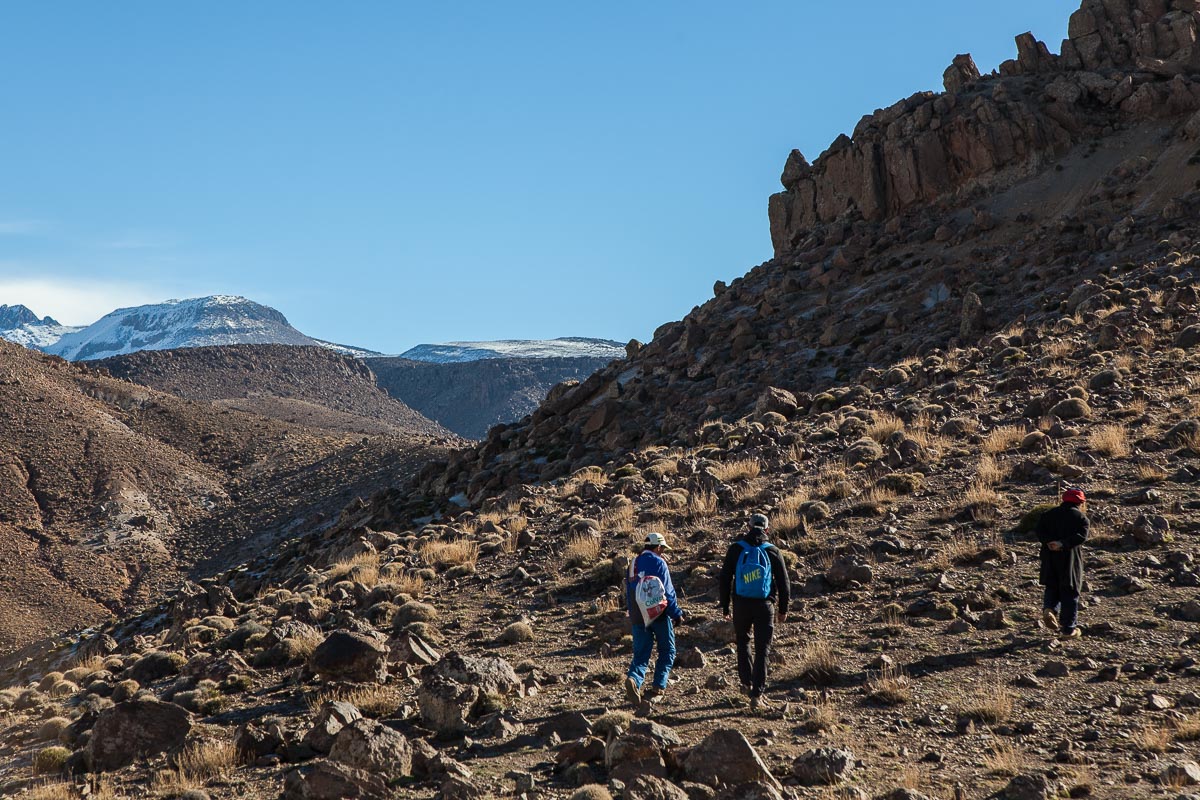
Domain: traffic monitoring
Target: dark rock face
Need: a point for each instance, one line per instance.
(136, 728)
(471, 397)
(984, 129)
(18, 315)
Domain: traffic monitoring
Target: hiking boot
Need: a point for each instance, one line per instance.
(1074, 633)
(759, 703)
(1050, 619)
(746, 690)
(652, 694)
(633, 692)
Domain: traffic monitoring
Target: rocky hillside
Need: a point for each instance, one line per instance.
(1038, 188)
(470, 397)
(312, 386)
(110, 490)
(903, 389)
(482, 655)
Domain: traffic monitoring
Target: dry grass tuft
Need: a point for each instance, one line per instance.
(582, 550)
(1003, 438)
(982, 496)
(889, 686)
(742, 469)
(1110, 440)
(588, 475)
(991, 704)
(883, 426)
(301, 647)
(1003, 759)
(820, 717)
(989, 472)
(362, 568)
(1187, 730)
(411, 585)
(1151, 473)
(618, 519)
(874, 501)
(702, 504)
(373, 700)
(1153, 739)
(443, 555)
(784, 522)
(820, 663)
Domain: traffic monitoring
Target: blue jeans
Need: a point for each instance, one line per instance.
(662, 632)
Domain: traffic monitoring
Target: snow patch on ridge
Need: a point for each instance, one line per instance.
(567, 347)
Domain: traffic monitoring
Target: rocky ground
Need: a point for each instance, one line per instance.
(489, 650)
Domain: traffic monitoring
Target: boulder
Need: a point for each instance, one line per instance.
(1185, 773)
(649, 787)
(136, 728)
(1030, 787)
(847, 569)
(726, 758)
(330, 780)
(491, 674)
(446, 705)
(778, 401)
(823, 766)
(368, 745)
(347, 656)
(332, 717)
(634, 754)
(749, 791)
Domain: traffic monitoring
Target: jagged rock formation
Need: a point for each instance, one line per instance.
(943, 219)
(470, 397)
(313, 386)
(1124, 62)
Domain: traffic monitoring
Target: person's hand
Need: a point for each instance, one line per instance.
(1055, 546)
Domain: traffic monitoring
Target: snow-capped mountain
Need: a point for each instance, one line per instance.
(199, 322)
(567, 347)
(19, 324)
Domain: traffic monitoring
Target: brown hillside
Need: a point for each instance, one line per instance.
(110, 490)
(471, 397)
(311, 386)
(904, 390)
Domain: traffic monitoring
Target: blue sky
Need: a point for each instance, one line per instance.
(390, 173)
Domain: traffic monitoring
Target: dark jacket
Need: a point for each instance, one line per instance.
(780, 591)
(650, 563)
(1069, 525)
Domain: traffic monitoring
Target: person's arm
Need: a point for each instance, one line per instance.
(1079, 532)
(779, 576)
(727, 568)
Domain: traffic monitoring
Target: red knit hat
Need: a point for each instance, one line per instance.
(1073, 496)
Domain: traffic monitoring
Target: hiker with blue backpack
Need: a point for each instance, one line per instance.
(653, 612)
(755, 579)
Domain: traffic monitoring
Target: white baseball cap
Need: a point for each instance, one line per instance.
(657, 540)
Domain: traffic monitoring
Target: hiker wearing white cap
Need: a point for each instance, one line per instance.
(653, 612)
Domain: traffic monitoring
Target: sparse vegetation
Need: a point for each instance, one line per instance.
(820, 663)
(50, 760)
(1004, 759)
(990, 704)
(742, 469)
(1001, 439)
(443, 555)
(889, 686)
(582, 550)
(1110, 440)
(883, 426)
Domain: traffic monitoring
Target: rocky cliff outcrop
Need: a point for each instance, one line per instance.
(941, 221)
(1124, 62)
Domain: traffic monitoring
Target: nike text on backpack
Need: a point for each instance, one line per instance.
(650, 595)
(753, 576)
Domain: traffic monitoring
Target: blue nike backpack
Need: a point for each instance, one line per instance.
(753, 576)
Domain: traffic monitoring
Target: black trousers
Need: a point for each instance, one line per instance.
(757, 615)
(1066, 598)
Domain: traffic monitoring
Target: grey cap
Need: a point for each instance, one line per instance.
(760, 521)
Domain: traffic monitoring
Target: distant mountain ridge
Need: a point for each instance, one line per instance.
(18, 315)
(565, 347)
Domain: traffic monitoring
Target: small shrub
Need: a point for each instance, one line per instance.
(980, 496)
(208, 760)
(883, 426)
(890, 687)
(874, 501)
(443, 555)
(989, 473)
(742, 469)
(362, 568)
(1001, 439)
(612, 721)
(701, 505)
(1187, 730)
(50, 760)
(52, 728)
(1110, 440)
(821, 717)
(902, 482)
(1003, 759)
(582, 550)
(515, 633)
(414, 611)
(1153, 739)
(786, 521)
(819, 663)
(1151, 473)
(373, 700)
(661, 468)
(1030, 519)
(990, 705)
(592, 791)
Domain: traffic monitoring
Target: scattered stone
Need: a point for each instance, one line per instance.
(348, 656)
(332, 717)
(823, 766)
(725, 757)
(136, 728)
